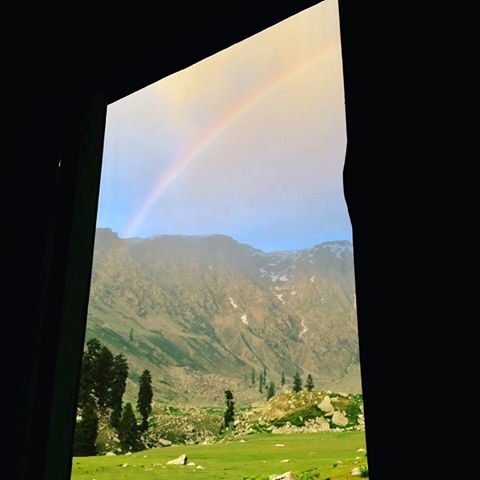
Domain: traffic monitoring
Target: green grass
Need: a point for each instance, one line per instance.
(308, 455)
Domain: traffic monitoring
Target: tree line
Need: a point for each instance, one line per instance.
(103, 380)
(269, 387)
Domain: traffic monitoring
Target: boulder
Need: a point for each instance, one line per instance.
(339, 419)
(284, 476)
(164, 443)
(285, 461)
(325, 405)
(199, 467)
(110, 454)
(181, 460)
(356, 471)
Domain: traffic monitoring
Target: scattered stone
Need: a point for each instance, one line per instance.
(148, 469)
(339, 419)
(125, 465)
(128, 453)
(110, 454)
(164, 443)
(190, 464)
(356, 471)
(144, 456)
(325, 405)
(279, 445)
(361, 450)
(357, 458)
(181, 460)
(242, 441)
(284, 476)
(285, 461)
(199, 467)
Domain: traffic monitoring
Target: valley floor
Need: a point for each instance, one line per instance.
(258, 456)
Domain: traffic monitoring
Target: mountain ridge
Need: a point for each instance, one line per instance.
(211, 305)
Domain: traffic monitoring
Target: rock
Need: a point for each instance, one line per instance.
(284, 476)
(356, 471)
(242, 441)
(279, 445)
(339, 419)
(125, 465)
(110, 454)
(190, 464)
(164, 443)
(285, 461)
(322, 424)
(128, 453)
(361, 450)
(181, 460)
(325, 405)
(199, 467)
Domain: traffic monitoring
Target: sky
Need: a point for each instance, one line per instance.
(248, 143)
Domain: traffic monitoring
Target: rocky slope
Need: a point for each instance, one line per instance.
(201, 312)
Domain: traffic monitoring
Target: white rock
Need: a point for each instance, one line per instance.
(181, 460)
(242, 441)
(325, 405)
(164, 443)
(125, 465)
(356, 471)
(339, 419)
(285, 461)
(110, 454)
(361, 450)
(128, 453)
(284, 476)
(199, 467)
(279, 445)
(191, 464)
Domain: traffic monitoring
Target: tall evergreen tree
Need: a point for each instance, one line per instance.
(130, 335)
(103, 377)
(86, 430)
(309, 383)
(253, 375)
(119, 383)
(265, 375)
(297, 383)
(271, 390)
(283, 378)
(128, 432)
(145, 395)
(260, 383)
(229, 416)
(87, 372)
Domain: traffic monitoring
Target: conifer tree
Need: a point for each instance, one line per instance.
(265, 375)
(128, 432)
(229, 416)
(86, 430)
(271, 390)
(87, 372)
(297, 383)
(102, 381)
(253, 375)
(119, 383)
(260, 383)
(309, 383)
(145, 395)
(283, 378)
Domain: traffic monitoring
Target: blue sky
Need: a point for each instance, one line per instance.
(248, 143)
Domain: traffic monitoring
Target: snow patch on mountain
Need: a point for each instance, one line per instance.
(234, 305)
(244, 319)
(280, 297)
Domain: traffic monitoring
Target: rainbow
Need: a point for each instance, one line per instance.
(210, 134)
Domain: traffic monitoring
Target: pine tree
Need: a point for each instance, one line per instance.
(128, 432)
(246, 378)
(145, 395)
(87, 372)
(309, 383)
(265, 375)
(119, 382)
(229, 416)
(297, 383)
(86, 430)
(130, 335)
(283, 379)
(271, 390)
(253, 376)
(102, 381)
(260, 383)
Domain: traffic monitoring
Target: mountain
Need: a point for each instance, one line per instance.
(201, 311)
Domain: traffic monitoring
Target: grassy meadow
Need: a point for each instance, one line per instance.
(256, 457)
